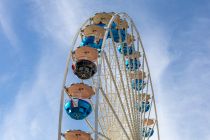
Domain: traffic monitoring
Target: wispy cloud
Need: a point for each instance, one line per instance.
(60, 20)
(156, 43)
(35, 110)
(184, 84)
(36, 106)
(7, 27)
(34, 113)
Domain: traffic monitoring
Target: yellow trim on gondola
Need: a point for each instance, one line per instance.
(80, 90)
(105, 18)
(149, 122)
(77, 135)
(137, 75)
(85, 53)
(94, 30)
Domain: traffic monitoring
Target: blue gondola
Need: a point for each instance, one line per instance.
(90, 41)
(144, 107)
(132, 64)
(137, 84)
(79, 111)
(125, 49)
(115, 33)
(147, 132)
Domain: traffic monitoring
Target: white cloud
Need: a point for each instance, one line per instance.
(60, 19)
(34, 113)
(156, 44)
(7, 27)
(35, 110)
(183, 88)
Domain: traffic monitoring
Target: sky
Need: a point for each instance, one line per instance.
(36, 36)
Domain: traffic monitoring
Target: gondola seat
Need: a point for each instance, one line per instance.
(103, 19)
(144, 107)
(125, 49)
(90, 41)
(147, 132)
(132, 64)
(77, 135)
(117, 35)
(84, 69)
(137, 84)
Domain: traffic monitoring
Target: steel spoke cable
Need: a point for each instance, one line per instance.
(150, 79)
(143, 70)
(119, 97)
(89, 124)
(126, 15)
(136, 98)
(106, 89)
(132, 95)
(144, 99)
(144, 108)
(111, 98)
(98, 119)
(115, 114)
(128, 85)
(99, 106)
(121, 79)
(149, 110)
(140, 101)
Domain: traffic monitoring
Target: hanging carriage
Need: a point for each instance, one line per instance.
(132, 64)
(125, 49)
(84, 66)
(148, 129)
(77, 135)
(78, 109)
(92, 35)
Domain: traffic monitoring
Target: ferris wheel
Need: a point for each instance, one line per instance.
(114, 95)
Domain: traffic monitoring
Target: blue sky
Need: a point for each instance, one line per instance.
(35, 37)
